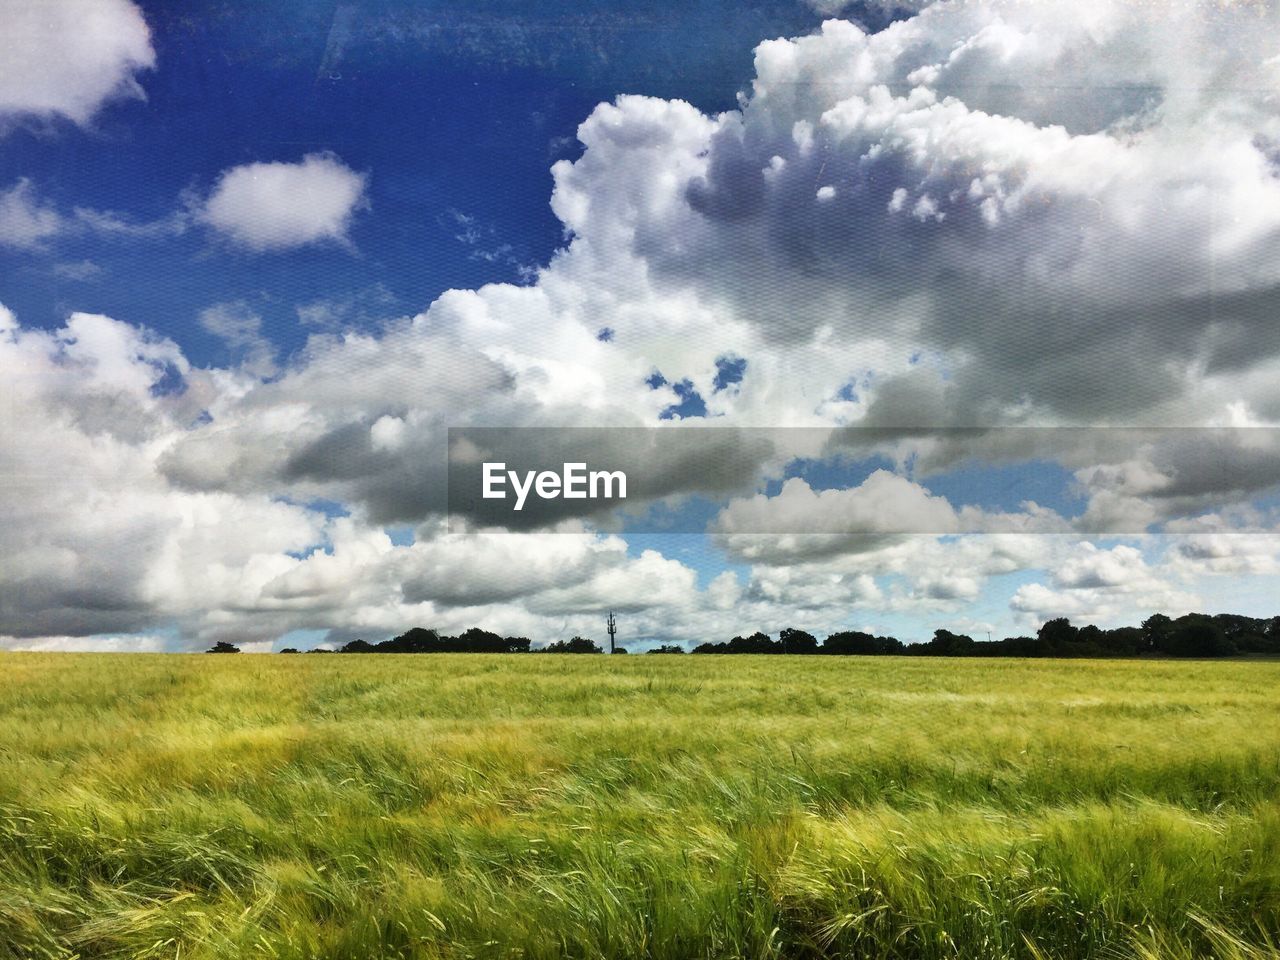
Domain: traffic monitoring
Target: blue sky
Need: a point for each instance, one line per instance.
(456, 111)
(255, 260)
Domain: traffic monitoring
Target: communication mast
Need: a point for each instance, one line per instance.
(613, 629)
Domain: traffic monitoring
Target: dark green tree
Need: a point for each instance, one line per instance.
(857, 643)
(576, 645)
(797, 641)
(1197, 635)
(1058, 634)
(1155, 632)
(948, 644)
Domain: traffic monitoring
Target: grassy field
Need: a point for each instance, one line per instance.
(674, 807)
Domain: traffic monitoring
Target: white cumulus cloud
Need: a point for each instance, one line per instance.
(279, 206)
(68, 57)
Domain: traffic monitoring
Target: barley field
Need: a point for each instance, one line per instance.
(451, 806)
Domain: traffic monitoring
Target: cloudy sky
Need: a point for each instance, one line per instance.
(900, 317)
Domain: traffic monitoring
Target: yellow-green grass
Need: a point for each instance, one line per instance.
(676, 807)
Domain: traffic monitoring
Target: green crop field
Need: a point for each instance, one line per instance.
(675, 807)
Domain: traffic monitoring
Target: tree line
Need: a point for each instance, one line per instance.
(1192, 635)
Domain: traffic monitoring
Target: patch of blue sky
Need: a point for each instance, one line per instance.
(330, 509)
(729, 370)
(690, 404)
(1005, 487)
(830, 473)
(692, 513)
(993, 487)
(696, 551)
(170, 383)
(401, 536)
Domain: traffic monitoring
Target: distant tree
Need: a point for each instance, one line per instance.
(667, 648)
(1123, 641)
(1090, 634)
(1018, 647)
(1155, 632)
(1197, 635)
(710, 647)
(423, 640)
(617, 650)
(758, 642)
(289, 650)
(223, 647)
(1058, 634)
(889, 646)
(475, 640)
(413, 640)
(576, 645)
(849, 642)
(797, 641)
(1087, 641)
(855, 642)
(948, 644)
(1246, 634)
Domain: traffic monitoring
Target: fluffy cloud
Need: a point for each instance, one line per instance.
(801, 525)
(1038, 274)
(97, 539)
(884, 503)
(101, 536)
(915, 575)
(1234, 553)
(69, 57)
(1169, 477)
(279, 206)
(993, 213)
(256, 206)
(94, 539)
(1103, 586)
